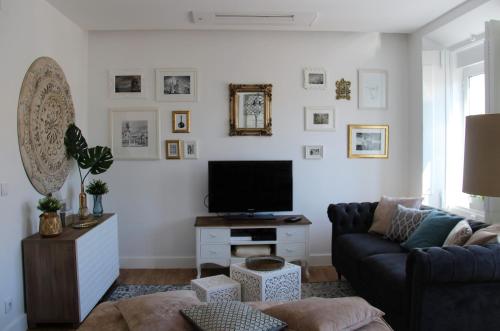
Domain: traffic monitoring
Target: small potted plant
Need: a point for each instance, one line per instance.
(50, 222)
(97, 188)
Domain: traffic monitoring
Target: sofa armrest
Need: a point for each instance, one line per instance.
(461, 283)
(351, 217)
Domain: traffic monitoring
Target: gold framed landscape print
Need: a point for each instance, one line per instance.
(368, 141)
(181, 121)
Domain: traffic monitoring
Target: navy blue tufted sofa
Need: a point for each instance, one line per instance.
(434, 289)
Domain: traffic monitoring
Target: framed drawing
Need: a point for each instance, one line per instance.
(173, 151)
(127, 83)
(135, 133)
(368, 141)
(181, 121)
(250, 109)
(176, 85)
(315, 79)
(191, 149)
(313, 152)
(319, 119)
(372, 89)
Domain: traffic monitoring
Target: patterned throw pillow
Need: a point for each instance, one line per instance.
(404, 222)
(459, 234)
(231, 316)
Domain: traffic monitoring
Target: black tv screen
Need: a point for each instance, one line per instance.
(250, 186)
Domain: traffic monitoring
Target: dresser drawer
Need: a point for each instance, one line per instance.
(291, 250)
(292, 234)
(215, 236)
(215, 251)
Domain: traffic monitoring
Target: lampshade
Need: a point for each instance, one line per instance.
(482, 155)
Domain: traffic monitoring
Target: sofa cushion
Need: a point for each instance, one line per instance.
(385, 279)
(356, 246)
(432, 231)
(459, 235)
(386, 208)
(404, 222)
(487, 235)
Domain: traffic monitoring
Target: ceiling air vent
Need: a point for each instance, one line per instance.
(232, 18)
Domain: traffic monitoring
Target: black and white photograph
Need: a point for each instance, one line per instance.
(135, 134)
(314, 152)
(176, 85)
(319, 119)
(315, 79)
(368, 141)
(181, 121)
(127, 83)
(252, 110)
(173, 151)
(190, 149)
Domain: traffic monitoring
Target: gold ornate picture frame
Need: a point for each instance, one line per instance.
(368, 141)
(181, 121)
(250, 109)
(173, 149)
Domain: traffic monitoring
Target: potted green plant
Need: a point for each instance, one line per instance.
(97, 188)
(96, 159)
(50, 223)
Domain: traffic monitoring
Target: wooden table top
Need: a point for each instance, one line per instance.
(218, 221)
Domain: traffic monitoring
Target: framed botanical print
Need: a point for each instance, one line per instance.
(181, 121)
(368, 141)
(315, 79)
(173, 151)
(372, 89)
(319, 119)
(135, 133)
(191, 149)
(176, 85)
(127, 83)
(313, 152)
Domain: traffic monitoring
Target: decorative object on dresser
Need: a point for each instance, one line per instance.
(215, 237)
(181, 121)
(66, 276)
(135, 133)
(315, 79)
(96, 159)
(277, 285)
(50, 223)
(218, 288)
(127, 83)
(173, 149)
(45, 109)
(191, 149)
(368, 141)
(343, 89)
(97, 188)
(264, 263)
(176, 84)
(250, 110)
(372, 89)
(314, 152)
(319, 119)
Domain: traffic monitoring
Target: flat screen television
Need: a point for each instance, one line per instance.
(250, 186)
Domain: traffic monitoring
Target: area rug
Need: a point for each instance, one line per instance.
(323, 289)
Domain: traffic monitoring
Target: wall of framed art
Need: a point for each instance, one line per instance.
(180, 185)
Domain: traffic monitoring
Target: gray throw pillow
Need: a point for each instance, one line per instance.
(404, 222)
(231, 316)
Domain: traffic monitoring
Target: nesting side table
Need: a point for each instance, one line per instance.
(218, 288)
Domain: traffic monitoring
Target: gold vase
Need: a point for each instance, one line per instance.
(50, 224)
(83, 211)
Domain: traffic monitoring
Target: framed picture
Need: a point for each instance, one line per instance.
(176, 85)
(190, 149)
(127, 83)
(181, 121)
(135, 133)
(368, 141)
(174, 151)
(314, 152)
(372, 89)
(315, 79)
(319, 119)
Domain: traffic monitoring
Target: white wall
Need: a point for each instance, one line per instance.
(29, 29)
(158, 201)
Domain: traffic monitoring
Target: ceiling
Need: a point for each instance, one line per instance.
(392, 16)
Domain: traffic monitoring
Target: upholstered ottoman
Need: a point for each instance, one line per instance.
(277, 285)
(218, 288)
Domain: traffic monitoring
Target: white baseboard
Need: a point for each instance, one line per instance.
(19, 324)
(166, 262)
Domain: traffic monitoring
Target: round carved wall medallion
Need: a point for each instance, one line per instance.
(44, 112)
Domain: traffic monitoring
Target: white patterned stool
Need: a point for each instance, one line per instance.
(218, 288)
(277, 285)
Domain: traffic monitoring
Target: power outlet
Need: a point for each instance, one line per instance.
(8, 303)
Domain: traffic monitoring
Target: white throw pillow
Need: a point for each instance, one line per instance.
(459, 235)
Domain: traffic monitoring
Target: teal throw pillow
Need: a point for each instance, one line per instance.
(432, 231)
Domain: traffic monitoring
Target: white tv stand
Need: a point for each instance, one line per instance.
(214, 243)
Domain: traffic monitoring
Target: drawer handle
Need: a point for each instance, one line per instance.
(212, 235)
(288, 250)
(212, 252)
(289, 234)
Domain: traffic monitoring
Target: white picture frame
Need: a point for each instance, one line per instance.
(191, 149)
(135, 133)
(315, 79)
(177, 85)
(319, 119)
(313, 152)
(373, 89)
(127, 83)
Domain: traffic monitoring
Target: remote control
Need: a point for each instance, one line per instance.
(293, 219)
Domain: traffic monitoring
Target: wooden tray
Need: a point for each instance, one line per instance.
(264, 263)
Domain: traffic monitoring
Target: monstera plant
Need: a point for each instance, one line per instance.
(95, 160)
